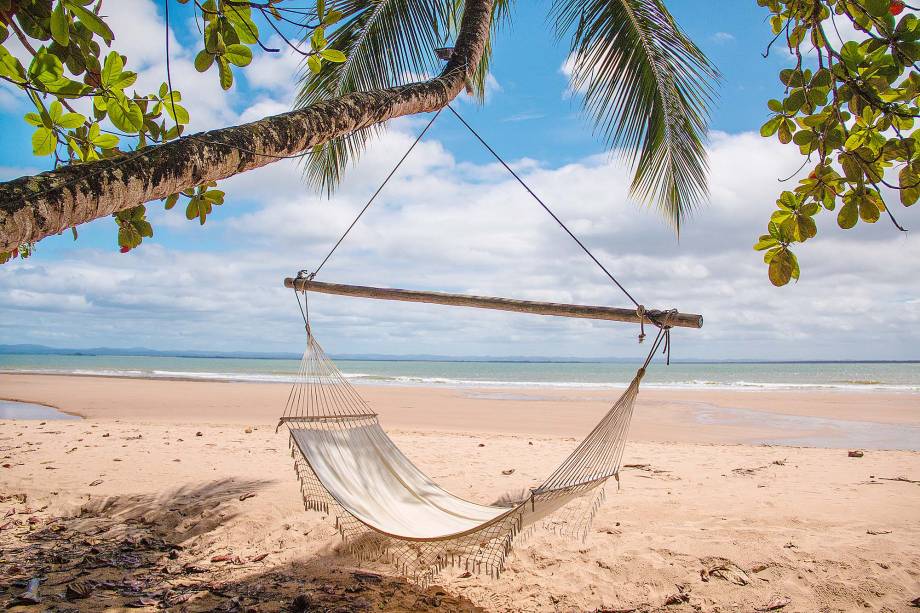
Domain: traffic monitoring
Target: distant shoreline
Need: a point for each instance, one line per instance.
(486, 385)
(6, 350)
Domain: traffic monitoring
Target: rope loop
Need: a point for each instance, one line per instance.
(640, 311)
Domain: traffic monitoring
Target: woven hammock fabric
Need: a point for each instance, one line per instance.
(384, 506)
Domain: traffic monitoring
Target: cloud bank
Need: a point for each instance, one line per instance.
(452, 225)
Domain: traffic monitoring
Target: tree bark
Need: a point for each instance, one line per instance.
(34, 207)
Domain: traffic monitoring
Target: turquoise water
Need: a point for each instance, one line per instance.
(904, 377)
(26, 410)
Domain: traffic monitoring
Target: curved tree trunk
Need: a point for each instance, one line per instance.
(34, 207)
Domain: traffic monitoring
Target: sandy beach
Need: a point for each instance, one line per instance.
(180, 494)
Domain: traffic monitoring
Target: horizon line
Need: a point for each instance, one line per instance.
(410, 357)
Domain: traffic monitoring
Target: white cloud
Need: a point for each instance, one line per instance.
(457, 226)
(140, 31)
(527, 116)
(276, 72)
(262, 108)
(722, 37)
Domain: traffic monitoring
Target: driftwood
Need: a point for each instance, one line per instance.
(681, 320)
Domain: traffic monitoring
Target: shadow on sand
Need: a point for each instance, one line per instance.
(124, 552)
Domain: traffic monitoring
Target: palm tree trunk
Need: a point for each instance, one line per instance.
(34, 207)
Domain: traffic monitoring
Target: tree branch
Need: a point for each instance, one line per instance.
(34, 207)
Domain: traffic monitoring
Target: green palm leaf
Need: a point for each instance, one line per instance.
(388, 43)
(647, 88)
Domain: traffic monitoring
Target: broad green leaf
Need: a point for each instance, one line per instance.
(124, 113)
(785, 132)
(191, 211)
(92, 21)
(177, 112)
(868, 211)
(10, 67)
(33, 119)
(315, 64)
(769, 129)
(810, 209)
(245, 27)
(128, 236)
(46, 67)
(60, 25)
(214, 195)
(171, 201)
(766, 242)
(240, 55)
(55, 110)
(71, 121)
(43, 141)
(114, 76)
(100, 139)
(203, 60)
(144, 228)
(805, 228)
(852, 54)
(851, 167)
(333, 55)
(214, 40)
(112, 68)
(318, 39)
(225, 73)
(848, 215)
(781, 267)
(67, 88)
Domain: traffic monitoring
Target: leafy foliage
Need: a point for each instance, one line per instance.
(647, 88)
(86, 107)
(849, 108)
(387, 43)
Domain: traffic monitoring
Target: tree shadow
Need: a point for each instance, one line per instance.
(179, 514)
(127, 552)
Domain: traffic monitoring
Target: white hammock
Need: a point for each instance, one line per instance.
(384, 505)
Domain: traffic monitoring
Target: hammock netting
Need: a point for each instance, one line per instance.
(384, 507)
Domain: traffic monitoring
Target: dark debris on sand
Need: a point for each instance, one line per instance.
(94, 561)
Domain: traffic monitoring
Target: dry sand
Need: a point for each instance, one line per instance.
(114, 497)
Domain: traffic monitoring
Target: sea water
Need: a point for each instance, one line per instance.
(10, 409)
(850, 376)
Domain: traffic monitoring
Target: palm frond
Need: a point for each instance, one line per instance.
(388, 43)
(647, 88)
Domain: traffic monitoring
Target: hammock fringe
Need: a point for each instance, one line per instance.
(433, 557)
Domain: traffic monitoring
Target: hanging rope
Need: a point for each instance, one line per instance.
(543, 204)
(641, 311)
(379, 189)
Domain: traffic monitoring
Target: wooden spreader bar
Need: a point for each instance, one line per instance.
(681, 320)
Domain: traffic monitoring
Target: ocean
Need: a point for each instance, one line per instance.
(851, 376)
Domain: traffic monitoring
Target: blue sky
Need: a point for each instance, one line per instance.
(452, 220)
